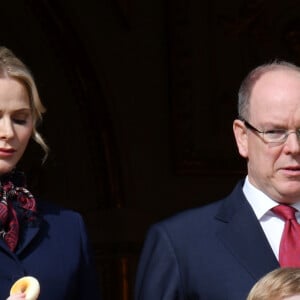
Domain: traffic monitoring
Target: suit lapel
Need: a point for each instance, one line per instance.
(242, 234)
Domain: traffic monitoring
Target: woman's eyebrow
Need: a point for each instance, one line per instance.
(21, 110)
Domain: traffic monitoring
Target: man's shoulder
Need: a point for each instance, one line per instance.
(204, 216)
(192, 215)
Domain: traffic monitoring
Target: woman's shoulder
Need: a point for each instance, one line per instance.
(54, 210)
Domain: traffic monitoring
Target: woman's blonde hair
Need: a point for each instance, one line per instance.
(276, 285)
(13, 67)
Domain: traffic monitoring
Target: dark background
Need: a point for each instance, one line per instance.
(141, 96)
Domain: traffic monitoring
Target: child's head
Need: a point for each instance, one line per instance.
(280, 284)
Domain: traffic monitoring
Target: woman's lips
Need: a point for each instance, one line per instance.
(4, 152)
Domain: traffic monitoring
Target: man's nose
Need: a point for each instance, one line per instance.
(292, 143)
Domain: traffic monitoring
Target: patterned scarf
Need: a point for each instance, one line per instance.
(17, 207)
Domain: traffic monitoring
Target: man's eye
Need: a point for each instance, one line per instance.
(275, 132)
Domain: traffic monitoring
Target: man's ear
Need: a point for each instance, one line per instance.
(241, 137)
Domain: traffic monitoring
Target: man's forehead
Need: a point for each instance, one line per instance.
(278, 74)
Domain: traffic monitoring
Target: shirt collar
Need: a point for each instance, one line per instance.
(259, 201)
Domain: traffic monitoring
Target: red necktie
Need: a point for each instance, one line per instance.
(289, 250)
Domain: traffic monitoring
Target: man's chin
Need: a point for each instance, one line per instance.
(290, 195)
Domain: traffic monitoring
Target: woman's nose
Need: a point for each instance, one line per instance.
(6, 129)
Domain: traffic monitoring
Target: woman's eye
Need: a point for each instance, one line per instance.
(20, 118)
(20, 121)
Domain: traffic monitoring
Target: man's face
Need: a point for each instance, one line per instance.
(274, 104)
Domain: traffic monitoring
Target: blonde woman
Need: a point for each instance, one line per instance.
(36, 238)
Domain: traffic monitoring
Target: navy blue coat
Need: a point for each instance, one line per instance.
(57, 253)
(214, 252)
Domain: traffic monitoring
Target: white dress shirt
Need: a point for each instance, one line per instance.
(271, 224)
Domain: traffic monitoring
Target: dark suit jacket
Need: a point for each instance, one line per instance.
(57, 253)
(214, 252)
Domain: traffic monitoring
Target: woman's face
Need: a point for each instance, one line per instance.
(16, 123)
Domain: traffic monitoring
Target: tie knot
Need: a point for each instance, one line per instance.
(285, 211)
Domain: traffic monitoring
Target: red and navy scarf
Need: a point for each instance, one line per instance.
(17, 207)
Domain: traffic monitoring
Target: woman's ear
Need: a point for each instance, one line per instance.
(241, 137)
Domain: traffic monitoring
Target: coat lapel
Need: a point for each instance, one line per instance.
(31, 233)
(242, 234)
(4, 248)
(28, 236)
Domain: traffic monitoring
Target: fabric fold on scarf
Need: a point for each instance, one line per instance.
(17, 207)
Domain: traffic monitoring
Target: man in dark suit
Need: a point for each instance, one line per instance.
(220, 250)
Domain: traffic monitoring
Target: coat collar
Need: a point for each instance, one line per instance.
(27, 236)
(242, 234)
